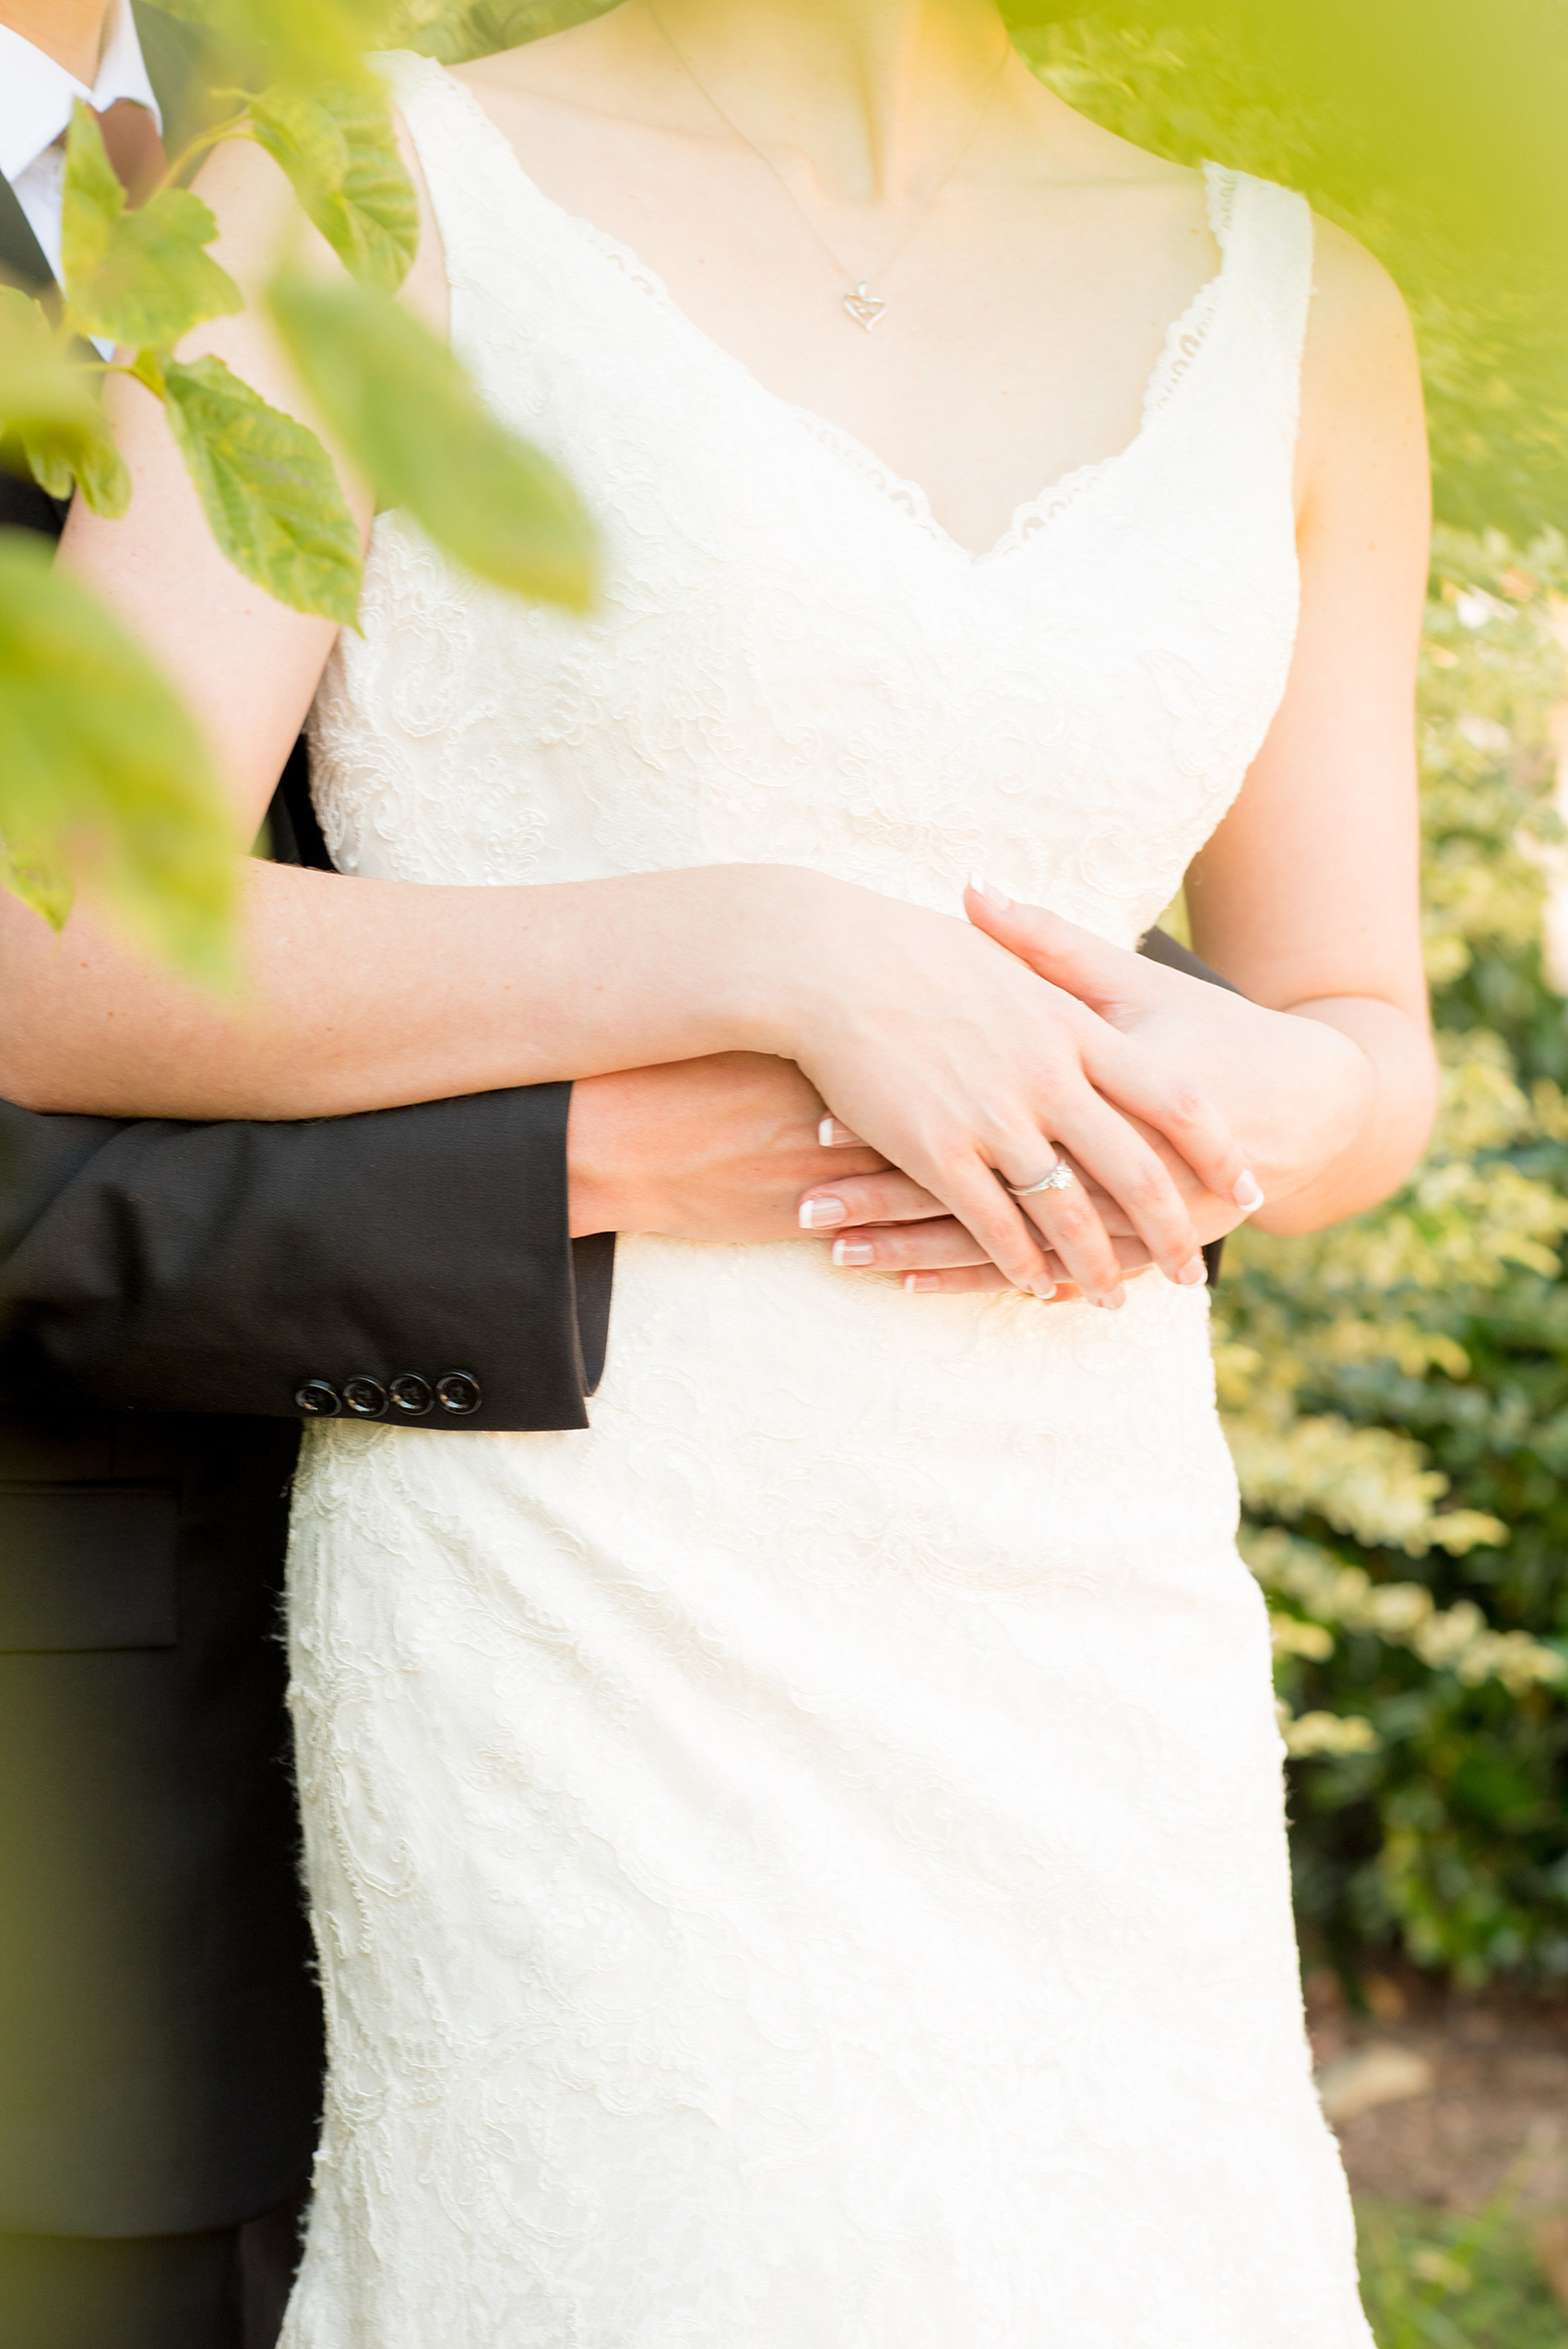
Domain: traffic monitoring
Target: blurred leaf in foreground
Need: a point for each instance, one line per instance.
(307, 41)
(101, 769)
(455, 30)
(1432, 129)
(136, 277)
(396, 397)
(52, 426)
(339, 150)
(267, 486)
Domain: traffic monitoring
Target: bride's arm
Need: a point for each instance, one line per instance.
(1306, 897)
(941, 1049)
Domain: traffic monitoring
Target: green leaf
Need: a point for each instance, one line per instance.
(51, 424)
(410, 417)
(94, 200)
(102, 770)
(339, 150)
(301, 41)
(454, 32)
(141, 277)
(267, 486)
(46, 887)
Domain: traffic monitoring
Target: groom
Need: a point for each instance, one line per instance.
(159, 2031)
(159, 2028)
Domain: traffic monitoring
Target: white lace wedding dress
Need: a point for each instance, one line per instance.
(801, 1866)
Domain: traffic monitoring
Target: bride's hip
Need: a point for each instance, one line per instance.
(764, 1414)
(730, 1363)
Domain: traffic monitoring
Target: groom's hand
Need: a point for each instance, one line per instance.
(732, 1148)
(721, 1148)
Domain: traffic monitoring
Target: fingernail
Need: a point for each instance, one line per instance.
(831, 1135)
(820, 1214)
(1112, 1301)
(992, 894)
(1247, 1192)
(921, 1284)
(853, 1252)
(1192, 1272)
(1044, 1290)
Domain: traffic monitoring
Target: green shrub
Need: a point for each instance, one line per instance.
(1430, 2280)
(1396, 1390)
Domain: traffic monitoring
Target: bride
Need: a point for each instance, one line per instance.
(802, 1864)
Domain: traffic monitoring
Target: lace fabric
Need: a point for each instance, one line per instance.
(803, 1862)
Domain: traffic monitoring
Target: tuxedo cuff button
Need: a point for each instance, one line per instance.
(460, 1393)
(365, 1397)
(317, 1399)
(411, 1396)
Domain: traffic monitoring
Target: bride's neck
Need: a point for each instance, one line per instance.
(863, 89)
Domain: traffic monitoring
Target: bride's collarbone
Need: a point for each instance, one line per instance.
(1016, 336)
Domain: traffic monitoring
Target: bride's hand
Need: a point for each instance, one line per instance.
(1296, 1090)
(881, 1223)
(731, 1149)
(965, 1069)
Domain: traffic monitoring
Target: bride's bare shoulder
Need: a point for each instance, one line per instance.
(1067, 146)
(571, 67)
(1360, 379)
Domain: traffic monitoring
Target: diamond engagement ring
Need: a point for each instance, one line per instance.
(1060, 1178)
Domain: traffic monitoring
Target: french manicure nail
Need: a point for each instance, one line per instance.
(992, 894)
(1192, 1272)
(1044, 1290)
(921, 1284)
(821, 1214)
(1112, 1301)
(831, 1135)
(848, 1252)
(1247, 1192)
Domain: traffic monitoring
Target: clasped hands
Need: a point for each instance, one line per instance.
(736, 1147)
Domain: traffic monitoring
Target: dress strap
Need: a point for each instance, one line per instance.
(419, 89)
(465, 159)
(1265, 233)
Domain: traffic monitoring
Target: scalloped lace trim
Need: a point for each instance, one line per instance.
(1185, 342)
(1185, 339)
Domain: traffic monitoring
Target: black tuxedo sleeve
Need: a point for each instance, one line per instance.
(412, 1265)
(294, 1269)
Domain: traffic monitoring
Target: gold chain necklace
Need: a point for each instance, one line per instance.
(866, 307)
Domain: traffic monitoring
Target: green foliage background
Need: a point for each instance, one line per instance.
(1437, 2280)
(1397, 1391)
(1432, 129)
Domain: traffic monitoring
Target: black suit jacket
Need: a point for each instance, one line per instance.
(160, 2027)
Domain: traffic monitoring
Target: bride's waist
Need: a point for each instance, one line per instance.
(756, 1400)
(748, 1319)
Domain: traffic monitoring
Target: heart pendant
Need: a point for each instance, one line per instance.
(863, 308)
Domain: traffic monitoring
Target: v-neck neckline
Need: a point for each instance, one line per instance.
(1186, 339)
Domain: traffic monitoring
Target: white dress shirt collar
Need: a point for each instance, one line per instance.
(36, 94)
